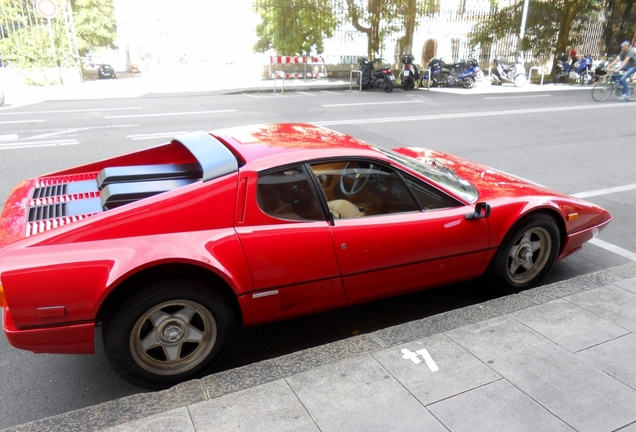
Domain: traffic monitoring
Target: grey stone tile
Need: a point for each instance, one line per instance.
(360, 395)
(498, 406)
(568, 325)
(457, 370)
(629, 428)
(617, 358)
(272, 407)
(628, 284)
(611, 303)
(284, 366)
(177, 420)
(578, 393)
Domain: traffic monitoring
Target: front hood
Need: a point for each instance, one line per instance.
(490, 183)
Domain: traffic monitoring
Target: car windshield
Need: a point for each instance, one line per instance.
(439, 173)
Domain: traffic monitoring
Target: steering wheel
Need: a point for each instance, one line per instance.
(358, 178)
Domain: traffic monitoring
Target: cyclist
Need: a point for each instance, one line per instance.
(627, 57)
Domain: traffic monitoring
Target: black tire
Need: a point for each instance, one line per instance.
(168, 332)
(468, 82)
(406, 83)
(526, 254)
(631, 97)
(388, 84)
(602, 91)
(560, 77)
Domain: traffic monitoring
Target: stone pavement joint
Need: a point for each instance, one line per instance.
(554, 358)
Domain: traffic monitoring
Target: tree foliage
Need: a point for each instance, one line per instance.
(27, 40)
(552, 25)
(294, 26)
(621, 23)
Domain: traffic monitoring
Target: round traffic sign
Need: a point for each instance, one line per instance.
(47, 8)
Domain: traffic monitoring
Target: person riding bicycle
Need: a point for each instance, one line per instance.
(627, 57)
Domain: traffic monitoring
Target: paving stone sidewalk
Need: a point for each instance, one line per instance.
(555, 358)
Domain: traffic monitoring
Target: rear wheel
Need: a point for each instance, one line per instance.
(468, 82)
(168, 332)
(560, 77)
(526, 254)
(602, 91)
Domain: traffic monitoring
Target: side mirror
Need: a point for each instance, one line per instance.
(482, 210)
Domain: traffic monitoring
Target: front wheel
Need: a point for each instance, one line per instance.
(560, 77)
(602, 91)
(631, 87)
(519, 80)
(388, 85)
(168, 332)
(526, 254)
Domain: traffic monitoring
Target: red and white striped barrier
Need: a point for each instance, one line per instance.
(297, 60)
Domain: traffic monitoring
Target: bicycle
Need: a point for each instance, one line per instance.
(609, 85)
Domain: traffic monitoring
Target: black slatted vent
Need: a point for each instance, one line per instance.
(50, 191)
(47, 212)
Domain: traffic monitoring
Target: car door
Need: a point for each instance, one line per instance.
(288, 244)
(398, 233)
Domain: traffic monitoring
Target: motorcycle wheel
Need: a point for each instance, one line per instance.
(559, 78)
(388, 85)
(587, 78)
(519, 80)
(406, 83)
(468, 82)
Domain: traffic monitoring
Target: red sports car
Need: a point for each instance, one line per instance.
(172, 248)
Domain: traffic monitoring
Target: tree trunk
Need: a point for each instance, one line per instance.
(569, 11)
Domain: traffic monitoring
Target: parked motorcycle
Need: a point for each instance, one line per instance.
(409, 76)
(579, 72)
(381, 78)
(509, 73)
(463, 73)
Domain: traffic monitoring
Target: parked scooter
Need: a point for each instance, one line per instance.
(409, 76)
(579, 72)
(463, 73)
(381, 78)
(509, 73)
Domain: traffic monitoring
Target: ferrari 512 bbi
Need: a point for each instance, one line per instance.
(172, 248)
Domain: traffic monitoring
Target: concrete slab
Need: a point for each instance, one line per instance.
(272, 407)
(617, 358)
(611, 303)
(578, 393)
(360, 395)
(177, 420)
(568, 325)
(498, 406)
(453, 370)
(628, 284)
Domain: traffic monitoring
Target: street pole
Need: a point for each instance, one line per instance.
(522, 31)
(57, 66)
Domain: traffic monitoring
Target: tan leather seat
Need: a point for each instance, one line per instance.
(343, 209)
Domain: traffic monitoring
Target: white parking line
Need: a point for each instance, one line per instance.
(371, 103)
(155, 135)
(613, 248)
(69, 111)
(604, 191)
(622, 105)
(516, 97)
(18, 145)
(22, 121)
(171, 114)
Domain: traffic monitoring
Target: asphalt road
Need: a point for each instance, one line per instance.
(561, 139)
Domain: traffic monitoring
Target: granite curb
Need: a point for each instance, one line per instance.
(140, 406)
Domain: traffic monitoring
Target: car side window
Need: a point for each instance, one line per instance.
(287, 194)
(429, 197)
(361, 188)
